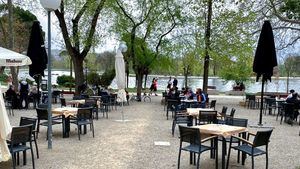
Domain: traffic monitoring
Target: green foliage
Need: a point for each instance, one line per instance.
(66, 81)
(93, 78)
(107, 77)
(292, 66)
(291, 8)
(3, 77)
(238, 71)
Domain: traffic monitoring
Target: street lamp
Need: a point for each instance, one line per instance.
(49, 5)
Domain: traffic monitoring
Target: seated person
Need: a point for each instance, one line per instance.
(201, 98)
(11, 95)
(296, 102)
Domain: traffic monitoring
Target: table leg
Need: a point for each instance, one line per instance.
(243, 154)
(223, 152)
(66, 126)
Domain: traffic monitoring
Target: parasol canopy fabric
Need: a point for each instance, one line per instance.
(120, 75)
(36, 51)
(11, 58)
(265, 56)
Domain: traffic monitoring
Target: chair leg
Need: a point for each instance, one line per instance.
(93, 129)
(36, 147)
(228, 156)
(198, 161)
(32, 156)
(79, 131)
(252, 161)
(173, 127)
(178, 165)
(14, 160)
(267, 160)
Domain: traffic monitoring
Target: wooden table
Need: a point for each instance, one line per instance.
(188, 103)
(65, 112)
(223, 131)
(195, 111)
(75, 103)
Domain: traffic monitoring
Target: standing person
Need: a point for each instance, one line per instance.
(169, 83)
(152, 86)
(34, 95)
(24, 90)
(155, 86)
(175, 82)
(11, 96)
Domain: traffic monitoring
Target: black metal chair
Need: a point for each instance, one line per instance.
(62, 102)
(261, 138)
(213, 104)
(17, 143)
(181, 117)
(31, 121)
(252, 103)
(84, 117)
(104, 106)
(223, 112)
(42, 115)
(207, 117)
(172, 103)
(92, 103)
(191, 138)
(9, 105)
(270, 105)
(288, 112)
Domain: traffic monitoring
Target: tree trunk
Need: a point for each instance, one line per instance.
(11, 42)
(127, 73)
(207, 46)
(139, 76)
(145, 82)
(79, 76)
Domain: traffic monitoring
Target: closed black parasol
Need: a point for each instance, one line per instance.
(37, 53)
(265, 59)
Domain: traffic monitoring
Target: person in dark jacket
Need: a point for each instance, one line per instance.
(294, 99)
(24, 90)
(11, 96)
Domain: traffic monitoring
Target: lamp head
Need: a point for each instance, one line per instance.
(50, 5)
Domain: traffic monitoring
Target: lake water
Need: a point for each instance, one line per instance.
(277, 85)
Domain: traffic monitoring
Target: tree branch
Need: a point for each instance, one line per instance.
(289, 44)
(64, 29)
(75, 24)
(125, 13)
(280, 17)
(92, 29)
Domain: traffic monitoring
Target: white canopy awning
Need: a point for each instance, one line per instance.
(8, 58)
(11, 58)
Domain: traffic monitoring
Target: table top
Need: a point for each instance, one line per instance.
(82, 101)
(189, 101)
(66, 111)
(220, 129)
(195, 111)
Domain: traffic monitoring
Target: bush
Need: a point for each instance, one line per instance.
(93, 78)
(66, 81)
(107, 77)
(3, 77)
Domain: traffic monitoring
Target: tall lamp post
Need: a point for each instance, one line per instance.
(49, 5)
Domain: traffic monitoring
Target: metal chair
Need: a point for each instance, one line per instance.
(31, 121)
(192, 137)
(207, 117)
(42, 115)
(62, 102)
(181, 117)
(84, 117)
(213, 104)
(261, 138)
(17, 143)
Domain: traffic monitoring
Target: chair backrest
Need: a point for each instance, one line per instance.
(43, 106)
(224, 110)
(270, 101)
(21, 134)
(85, 114)
(105, 98)
(288, 108)
(42, 113)
(91, 102)
(251, 97)
(213, 104)
(63, 102)
(28, 121)
(207, 117)
(172, 104)
(189, 135)
(232, 112)
(262, 138)
(237, 122)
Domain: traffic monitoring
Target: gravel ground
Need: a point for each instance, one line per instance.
(121, 145)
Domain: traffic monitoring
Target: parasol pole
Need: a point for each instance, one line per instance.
(261, 100)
